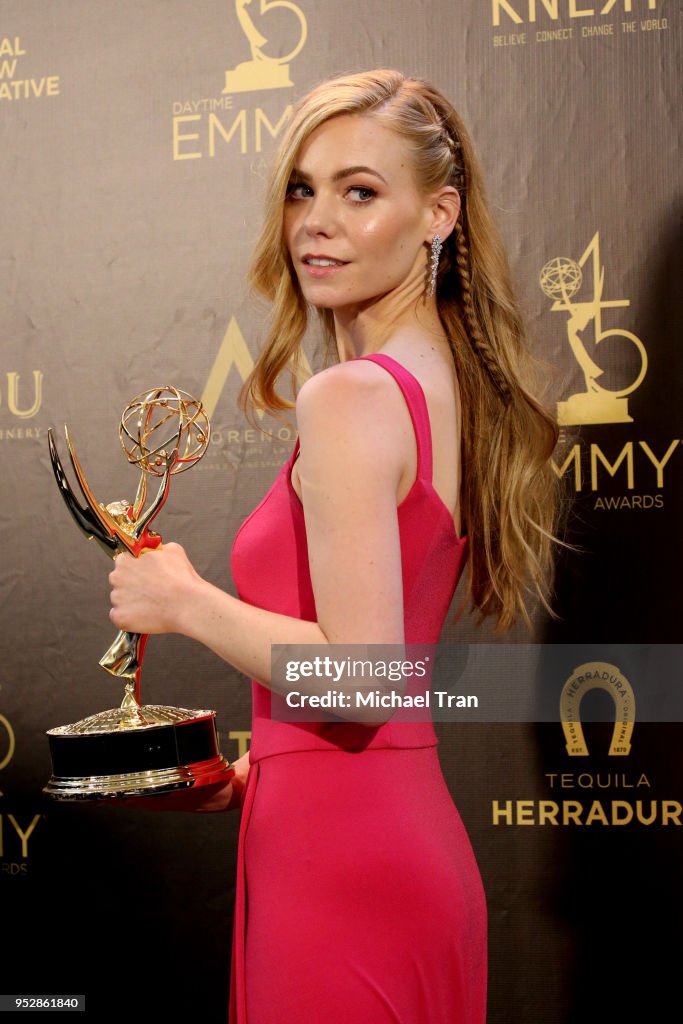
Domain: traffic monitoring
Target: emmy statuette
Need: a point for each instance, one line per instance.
(136, 749)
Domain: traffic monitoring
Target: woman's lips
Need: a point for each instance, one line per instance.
(322, 266)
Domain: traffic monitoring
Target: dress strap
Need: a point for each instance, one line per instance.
(417, 407)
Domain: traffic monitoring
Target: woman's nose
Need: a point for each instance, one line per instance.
(319, 216)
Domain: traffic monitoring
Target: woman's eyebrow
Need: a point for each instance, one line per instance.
(346, 172)
(357, 169)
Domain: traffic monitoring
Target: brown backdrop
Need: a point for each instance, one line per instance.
(134, 138)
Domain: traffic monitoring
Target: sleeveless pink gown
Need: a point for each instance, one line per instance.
(358, 899)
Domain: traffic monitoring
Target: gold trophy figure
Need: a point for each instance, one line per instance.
(262, 71)
(136, 749)
(561, 280)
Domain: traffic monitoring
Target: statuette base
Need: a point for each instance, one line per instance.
(147, 751)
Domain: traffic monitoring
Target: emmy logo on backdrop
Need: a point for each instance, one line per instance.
(136, 749)
(262, 71)
(7, 747)
(561, 280)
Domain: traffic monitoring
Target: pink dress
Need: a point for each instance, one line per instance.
(358, 899)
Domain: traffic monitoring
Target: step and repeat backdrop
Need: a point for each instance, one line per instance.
(135, 139)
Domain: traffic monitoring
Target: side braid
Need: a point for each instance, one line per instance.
(457, 176)
(479, 342)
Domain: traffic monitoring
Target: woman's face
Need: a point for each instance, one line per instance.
(355, 222)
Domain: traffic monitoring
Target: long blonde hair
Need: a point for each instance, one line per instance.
(511, 500)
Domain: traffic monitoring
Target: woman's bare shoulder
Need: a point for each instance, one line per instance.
(350, 380)
(356, 388)
(353, 403)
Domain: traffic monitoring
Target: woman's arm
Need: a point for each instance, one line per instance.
(355, 437)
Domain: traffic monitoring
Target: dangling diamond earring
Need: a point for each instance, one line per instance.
(437, 246)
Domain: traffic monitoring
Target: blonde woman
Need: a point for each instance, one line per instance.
(421, 451)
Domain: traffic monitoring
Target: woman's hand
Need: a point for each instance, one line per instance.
(149, 594)
(219, 796)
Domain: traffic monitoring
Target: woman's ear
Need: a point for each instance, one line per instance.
(445, 212)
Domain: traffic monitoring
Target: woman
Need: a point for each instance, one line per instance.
(420, 450)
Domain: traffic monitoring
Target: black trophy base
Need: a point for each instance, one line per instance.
(110, 756)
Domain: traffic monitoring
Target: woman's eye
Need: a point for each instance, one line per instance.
(361, 193)
(298, 190)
